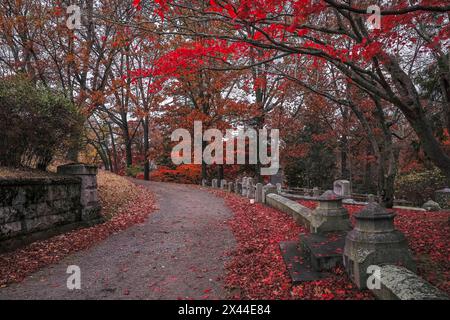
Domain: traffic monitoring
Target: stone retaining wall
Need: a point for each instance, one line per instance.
(38, 208)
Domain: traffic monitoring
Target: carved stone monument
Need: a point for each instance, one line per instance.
(330, 215)
(374, 242)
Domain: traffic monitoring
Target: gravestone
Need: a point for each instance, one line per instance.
(374, 242)
(223, 184)
(244, 186)
(250, 188)
(443, 198)
(342, 188)
(277, 178)
(215, 183)
(230, 186)
(268, 189)
(238, 187)
(259, 193)
(330, 215)
(204, 183)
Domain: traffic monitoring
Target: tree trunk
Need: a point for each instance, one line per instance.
(114, 164)
(411, 107)
(145, 123)
(220, 172)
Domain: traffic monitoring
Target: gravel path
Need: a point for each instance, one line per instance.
(178, 253)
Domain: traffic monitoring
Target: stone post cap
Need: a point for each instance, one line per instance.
(329, 195)
(374, 211)
(77, 169)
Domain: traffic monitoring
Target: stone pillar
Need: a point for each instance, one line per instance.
(330, 215)
(374, 242)
(90, 204)
(316, 192)
(443, 198)
(259, 193)
(238, 187)
(268, 189)
(215, 183)
(223, 184)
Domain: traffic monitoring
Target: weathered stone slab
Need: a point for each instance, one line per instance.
(259, 193)
(324, 251)
(398, 283)
(300, 270)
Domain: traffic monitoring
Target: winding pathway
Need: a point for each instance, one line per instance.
(178, 253)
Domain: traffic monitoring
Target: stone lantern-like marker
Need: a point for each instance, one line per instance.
(330, 215)
(374, 242)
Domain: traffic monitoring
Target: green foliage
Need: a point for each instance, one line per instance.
(35, 123)
(419, 187)
(133, 171)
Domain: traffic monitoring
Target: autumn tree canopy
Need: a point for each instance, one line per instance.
(372, 94)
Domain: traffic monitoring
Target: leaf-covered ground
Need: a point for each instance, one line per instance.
(428, 235)
(257, 270)
(123, 202)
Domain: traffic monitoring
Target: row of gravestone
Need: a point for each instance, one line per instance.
(442, 197)
(245, 187)
(343, 189)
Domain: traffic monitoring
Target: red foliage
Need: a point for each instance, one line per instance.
(257, 270)
(186, 173)
(15, 266)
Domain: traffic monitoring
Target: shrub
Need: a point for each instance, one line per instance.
(35, 123)
(186, 173)
(133, 171)
(419, 187)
